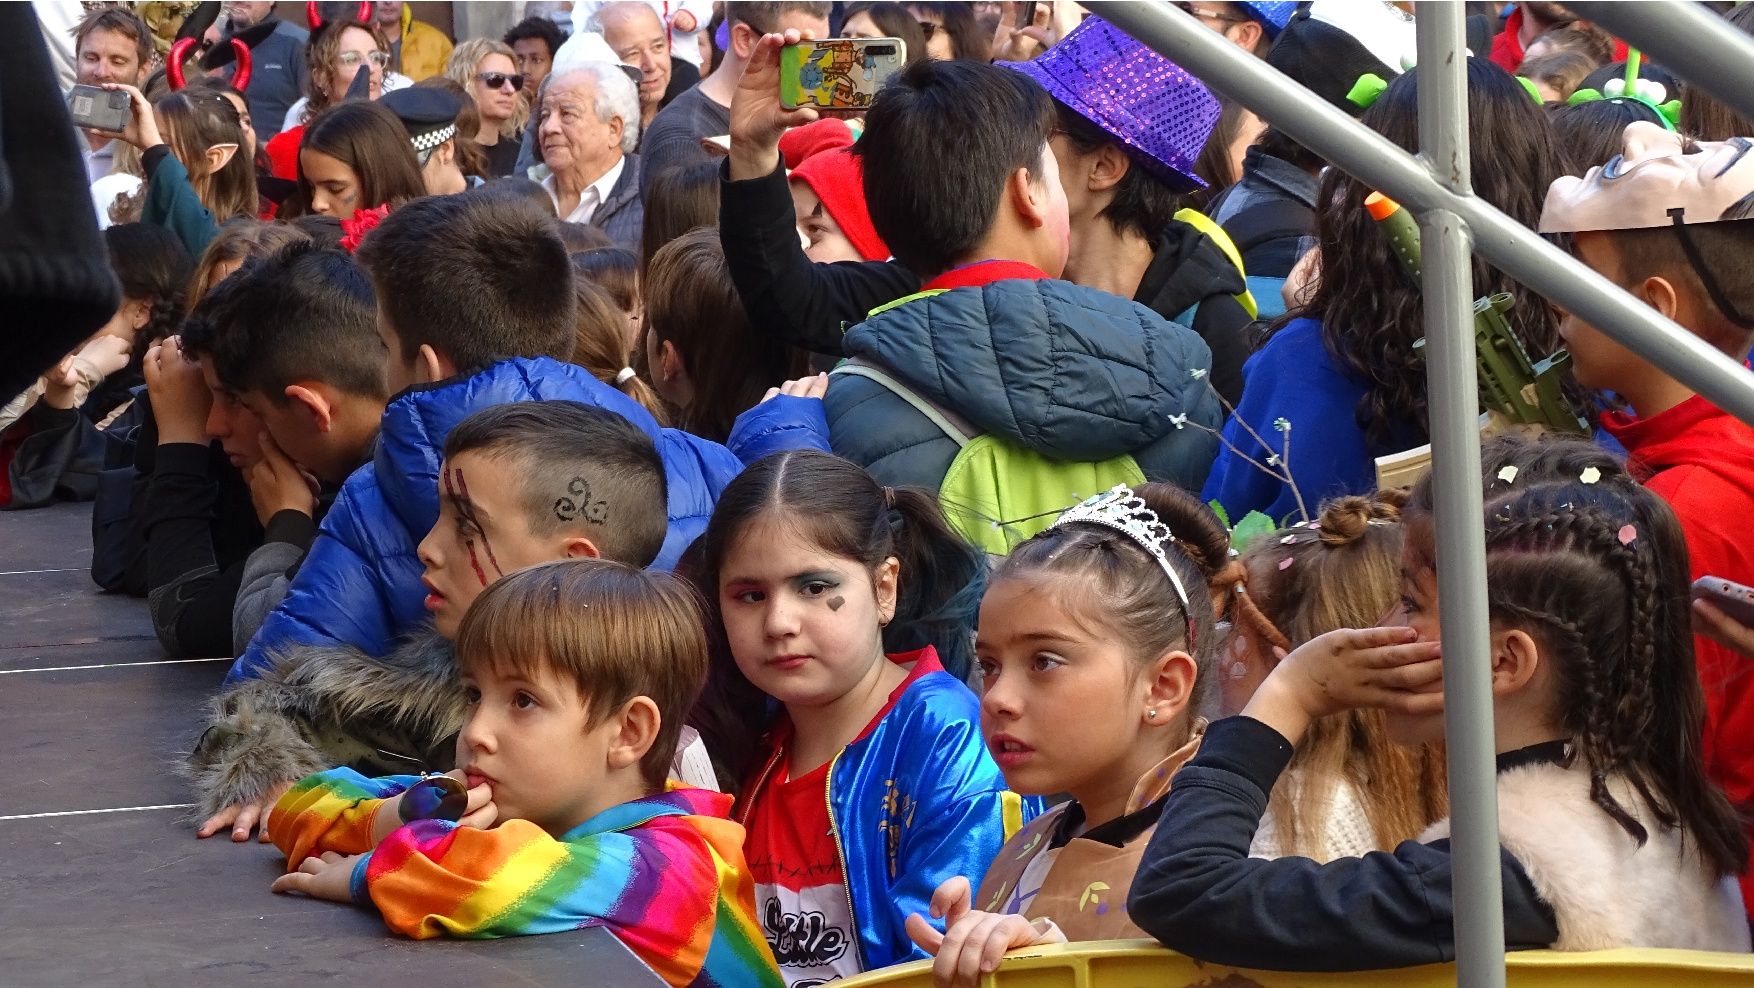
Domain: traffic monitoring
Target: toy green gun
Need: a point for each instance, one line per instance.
(1511, 384)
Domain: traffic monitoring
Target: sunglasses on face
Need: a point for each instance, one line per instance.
(349, 59)
(498, 80)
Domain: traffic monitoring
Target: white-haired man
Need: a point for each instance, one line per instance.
(588, 127)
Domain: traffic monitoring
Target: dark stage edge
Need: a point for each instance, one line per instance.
(93, 717)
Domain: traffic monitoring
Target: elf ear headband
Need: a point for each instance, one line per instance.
(173, 68)
(314, 14)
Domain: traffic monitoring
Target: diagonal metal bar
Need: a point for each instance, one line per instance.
(1686, 39)
(1508, 244)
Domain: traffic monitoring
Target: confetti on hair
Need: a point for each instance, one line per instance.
(1508, 474)
(1288, 540)
(1285, 564)
(1590, 475)
(1628, 534)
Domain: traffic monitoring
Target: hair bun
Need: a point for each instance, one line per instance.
(1345, 520)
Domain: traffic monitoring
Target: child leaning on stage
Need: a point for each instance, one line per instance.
(1610, 833)
(1096, 650)
(870, 784)
(578, 674)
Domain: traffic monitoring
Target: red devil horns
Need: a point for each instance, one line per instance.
(314, 15)
(173, 67)
(240, 78)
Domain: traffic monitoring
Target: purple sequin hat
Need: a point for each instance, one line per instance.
(1135, 95)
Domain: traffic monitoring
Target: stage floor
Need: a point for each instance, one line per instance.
(102, 880)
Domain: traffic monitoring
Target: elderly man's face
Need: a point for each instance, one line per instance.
(572, 137)
(637, 37)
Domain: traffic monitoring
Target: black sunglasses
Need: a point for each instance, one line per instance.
(495, 80)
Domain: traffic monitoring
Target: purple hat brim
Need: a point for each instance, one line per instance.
(1160, 169)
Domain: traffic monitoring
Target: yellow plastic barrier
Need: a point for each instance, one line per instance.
(1143, 964)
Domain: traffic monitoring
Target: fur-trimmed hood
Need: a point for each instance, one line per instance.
(316, 707)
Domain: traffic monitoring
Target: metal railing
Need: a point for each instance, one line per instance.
(1453, 222)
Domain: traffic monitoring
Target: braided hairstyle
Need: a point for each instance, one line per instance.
(1593, 567)
(1137, 599)
(1343, 571)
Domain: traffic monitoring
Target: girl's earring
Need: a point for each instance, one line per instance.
(1151, 714)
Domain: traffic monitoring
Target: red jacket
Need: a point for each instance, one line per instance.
(1701, 461)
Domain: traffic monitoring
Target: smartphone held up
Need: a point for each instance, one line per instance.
(838, 73)
(94, 108)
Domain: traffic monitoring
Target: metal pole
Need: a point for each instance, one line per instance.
(1508, 244)
(1447, 285)
(1686, 39)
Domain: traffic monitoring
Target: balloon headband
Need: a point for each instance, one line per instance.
(1124, 511)
(1633, 89)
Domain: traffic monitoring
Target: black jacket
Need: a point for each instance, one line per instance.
(1199, 892)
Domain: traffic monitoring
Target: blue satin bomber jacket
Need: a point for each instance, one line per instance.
(915, 801)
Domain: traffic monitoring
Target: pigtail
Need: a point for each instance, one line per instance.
(942, 579)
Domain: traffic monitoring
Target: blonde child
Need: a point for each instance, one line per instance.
(1349, 789)
(1610, 833)
(870, 784)
(577, 675)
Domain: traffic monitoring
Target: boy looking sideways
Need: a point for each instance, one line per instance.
(577, 676)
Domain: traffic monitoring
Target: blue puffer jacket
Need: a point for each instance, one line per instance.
(360, 584)
(1070, 372)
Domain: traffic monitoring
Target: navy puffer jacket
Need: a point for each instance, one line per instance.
(1071, 372)
(360, 584)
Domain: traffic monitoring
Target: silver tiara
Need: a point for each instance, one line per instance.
(1127, 513)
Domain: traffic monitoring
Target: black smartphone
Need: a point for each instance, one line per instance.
(99, 109)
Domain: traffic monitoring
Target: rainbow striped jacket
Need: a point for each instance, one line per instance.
(665, 875)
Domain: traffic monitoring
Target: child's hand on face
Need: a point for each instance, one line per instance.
(973, 942)
(277, 484)
(329, 876)
(1348, 669)
(481, 813)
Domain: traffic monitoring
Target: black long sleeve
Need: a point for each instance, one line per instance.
(1199, 892)
(48, 454)
(799, 301)
(193, 589)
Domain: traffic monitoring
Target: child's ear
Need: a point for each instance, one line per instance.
(314, 401)
(1111, 165)
(669, 361)
(1169, 685)
(435, 367)
(1515, 659)
(886, 582)
(579, 547)
(639, 721)
(1029, 197)
(1659, 293)
(139, 313)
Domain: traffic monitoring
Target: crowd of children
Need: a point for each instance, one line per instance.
(1076, 600)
